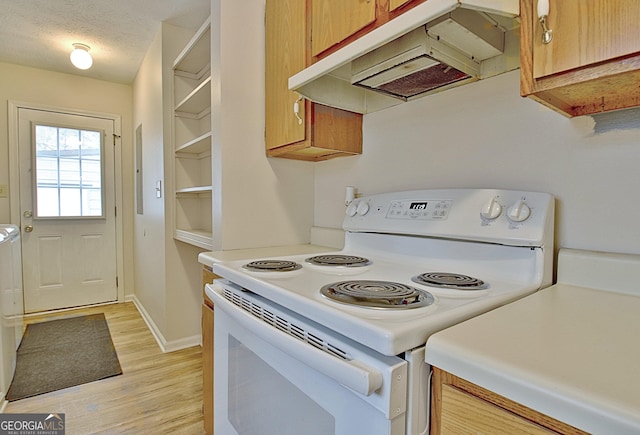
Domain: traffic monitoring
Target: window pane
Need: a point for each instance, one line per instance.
(91, 174)
(47, 171)
(68, 172)
(70, 202)
(90, 144)
(46, 139)
(69, 139)
(48, 202)
(91, 202)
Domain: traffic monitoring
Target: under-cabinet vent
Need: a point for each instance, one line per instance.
(285, 325)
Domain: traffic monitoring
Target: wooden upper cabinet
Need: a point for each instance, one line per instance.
(592, 63)
(317, 132)
(336, 23)
(586, 32)
(395, 4)
(285, 56)
(332, 21)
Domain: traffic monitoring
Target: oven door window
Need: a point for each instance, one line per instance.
(260, 390)
(258, 395)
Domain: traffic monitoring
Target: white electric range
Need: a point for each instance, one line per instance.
(349, 327)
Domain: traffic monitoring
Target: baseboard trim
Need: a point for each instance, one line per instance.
(165, 346)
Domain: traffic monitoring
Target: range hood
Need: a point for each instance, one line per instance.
(435, 46)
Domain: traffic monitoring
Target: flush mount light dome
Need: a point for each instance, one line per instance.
(80, 56)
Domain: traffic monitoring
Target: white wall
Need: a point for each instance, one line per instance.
(257, 201)
(485, 135)
(32, 85)
(167, 279)
(149, 227)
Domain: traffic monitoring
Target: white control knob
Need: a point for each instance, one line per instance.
(519, 211)
(491, 209)
(363, 208)
(351, 209)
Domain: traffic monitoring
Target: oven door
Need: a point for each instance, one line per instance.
(270, 379)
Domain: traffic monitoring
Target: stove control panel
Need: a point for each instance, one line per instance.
(508, 217)
(425, 210)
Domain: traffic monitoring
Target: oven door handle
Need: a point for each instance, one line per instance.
(352, 374)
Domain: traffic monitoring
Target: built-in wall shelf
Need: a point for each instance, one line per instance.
(198, 145)
(198, 238)
(192, 141)
(197, 103)
(195, 189)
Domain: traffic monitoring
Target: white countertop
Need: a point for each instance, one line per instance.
(209, 258)
(570, 352)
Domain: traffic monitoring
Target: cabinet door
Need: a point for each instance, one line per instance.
(464, 413)
(285, 56)
(586, 32)
(395, 4)
(334, 20)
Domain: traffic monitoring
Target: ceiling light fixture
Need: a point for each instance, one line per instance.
(80, 56)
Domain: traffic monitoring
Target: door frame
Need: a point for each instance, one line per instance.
(14, 171)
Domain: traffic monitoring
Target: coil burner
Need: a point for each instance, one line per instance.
(450, 280)
(377, 294)
(272, 266)
(338, 260)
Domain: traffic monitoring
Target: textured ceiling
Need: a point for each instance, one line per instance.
(40, 33)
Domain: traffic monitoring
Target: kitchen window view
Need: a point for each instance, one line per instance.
(68, 172)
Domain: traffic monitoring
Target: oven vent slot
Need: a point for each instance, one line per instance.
(285, 325)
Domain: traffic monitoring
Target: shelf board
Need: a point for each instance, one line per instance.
(196, 237)
(198, 101)
(195, 189)
(198, 145)
(196, 54)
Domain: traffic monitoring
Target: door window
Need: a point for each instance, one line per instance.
(68, 172)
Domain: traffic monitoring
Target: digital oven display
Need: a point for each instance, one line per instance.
(418, 206)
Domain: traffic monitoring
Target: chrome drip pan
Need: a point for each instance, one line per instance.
(377, 294)
(272, 266)
(450, 280)
(338, 260)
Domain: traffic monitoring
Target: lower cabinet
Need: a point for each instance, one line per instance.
(459, 406)
(207, 353)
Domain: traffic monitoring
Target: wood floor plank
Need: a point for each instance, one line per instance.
(157, 393)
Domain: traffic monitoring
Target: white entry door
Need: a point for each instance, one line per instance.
(67, 209)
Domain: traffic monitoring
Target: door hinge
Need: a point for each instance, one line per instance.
(116, 282)
(115, 211)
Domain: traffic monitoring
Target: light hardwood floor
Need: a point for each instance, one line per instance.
(158, 393)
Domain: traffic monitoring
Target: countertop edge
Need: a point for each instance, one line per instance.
(212, 257)
(571, 404)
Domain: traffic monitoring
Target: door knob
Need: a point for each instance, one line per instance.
(28, 228)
